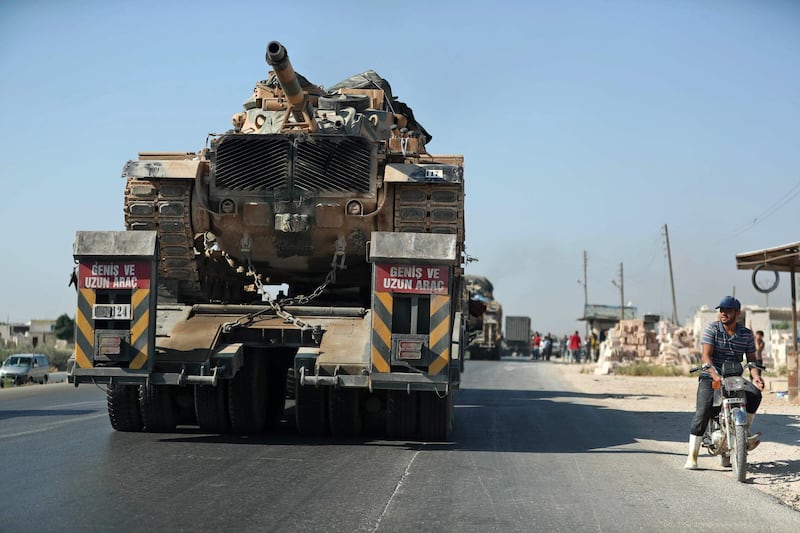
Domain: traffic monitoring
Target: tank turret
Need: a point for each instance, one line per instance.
(292, 193)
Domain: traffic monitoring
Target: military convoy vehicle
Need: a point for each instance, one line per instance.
(330, 195)
(486, 319)
(517, 336)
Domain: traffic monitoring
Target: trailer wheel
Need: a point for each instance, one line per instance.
(247, 399)
(311, 410)
(158, 412)
(345, 412)
(435, 416)
(211, 407)
(290, 383)
(401, 414)
(276, 393)
(123, 407)
(494, 354)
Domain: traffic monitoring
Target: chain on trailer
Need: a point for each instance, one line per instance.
(337, 263)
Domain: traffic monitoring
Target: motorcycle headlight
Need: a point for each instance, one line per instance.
(734, 383)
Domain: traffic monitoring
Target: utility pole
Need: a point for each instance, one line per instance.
(671, 281)
(621, 286)
(585, 298)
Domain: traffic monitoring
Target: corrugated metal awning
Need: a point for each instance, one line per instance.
(784, 258)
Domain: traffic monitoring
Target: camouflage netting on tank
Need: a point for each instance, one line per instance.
(369, 79)
(272, 82)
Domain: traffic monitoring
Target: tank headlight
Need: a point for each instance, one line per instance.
(227, 206)
(354, 208)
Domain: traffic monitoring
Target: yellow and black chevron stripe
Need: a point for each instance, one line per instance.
(84, 329)
(383, 302)
(140, 338)
(140, 328)
(440, 332)
(439, 338)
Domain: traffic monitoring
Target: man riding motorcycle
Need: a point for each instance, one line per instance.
(724, 340)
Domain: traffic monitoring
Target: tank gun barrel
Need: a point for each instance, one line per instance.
(278, 59)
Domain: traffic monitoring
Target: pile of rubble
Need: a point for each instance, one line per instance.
(630, 341)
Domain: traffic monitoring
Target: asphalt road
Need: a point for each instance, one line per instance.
(527, 455)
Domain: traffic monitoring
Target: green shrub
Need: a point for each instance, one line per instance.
(638, 368)
(778, 371)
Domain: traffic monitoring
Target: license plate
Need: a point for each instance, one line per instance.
(111, 312)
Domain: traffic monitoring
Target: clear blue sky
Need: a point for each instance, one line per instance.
(585, 125)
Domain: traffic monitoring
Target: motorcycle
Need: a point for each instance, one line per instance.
(726, 433)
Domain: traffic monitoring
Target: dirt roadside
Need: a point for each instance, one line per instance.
(774, 467)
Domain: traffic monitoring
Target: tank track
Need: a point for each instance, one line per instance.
(165, 207)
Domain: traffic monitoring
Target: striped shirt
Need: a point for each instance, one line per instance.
(726, 347)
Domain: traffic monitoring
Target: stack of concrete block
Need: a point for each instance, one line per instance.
(676, 346)
(610, 353)
(637, 342)
(629, 341)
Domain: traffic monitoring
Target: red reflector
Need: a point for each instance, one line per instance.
(409, 354)
(109, 345)
(410, 345)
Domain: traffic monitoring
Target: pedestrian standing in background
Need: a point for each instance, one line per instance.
(547, 347)
(595, 348)
(575, 347)
(760, 347)
(537, 345)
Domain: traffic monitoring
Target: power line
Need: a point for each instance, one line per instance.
(772, 209)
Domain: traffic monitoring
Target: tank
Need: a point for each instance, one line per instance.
(291, 194)
(331, 192)
(485, 319)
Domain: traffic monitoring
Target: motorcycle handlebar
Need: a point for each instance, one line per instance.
(750, 364)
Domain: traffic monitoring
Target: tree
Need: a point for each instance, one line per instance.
(65, 328)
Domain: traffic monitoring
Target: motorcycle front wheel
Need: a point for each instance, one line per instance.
(739, 453)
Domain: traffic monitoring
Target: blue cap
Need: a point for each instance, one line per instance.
(729, 302)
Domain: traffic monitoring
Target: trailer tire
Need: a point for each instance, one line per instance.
(291, 383)
(158, 412)
(494, 354)
(435, 416)
(311, 410)
(123, 407)
(344, 410)
(401, 414)
(247, 398)
(211, 407)
(276, 393)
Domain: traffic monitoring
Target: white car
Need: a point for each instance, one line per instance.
(24, 368)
